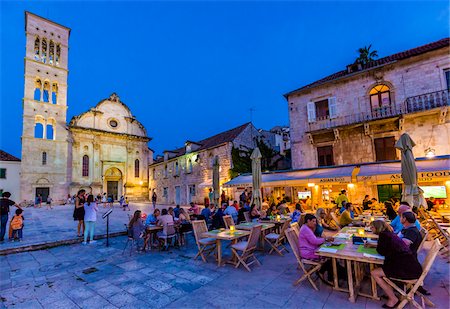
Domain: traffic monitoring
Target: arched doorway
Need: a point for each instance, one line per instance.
(112, 182)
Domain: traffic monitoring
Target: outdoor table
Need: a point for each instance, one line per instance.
(354, 256)
(247, 226)
(278, 223)
(151, 230)
(224, 234)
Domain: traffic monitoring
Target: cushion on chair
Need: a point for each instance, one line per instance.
(240, 246)
(207, 241)
(272, 236)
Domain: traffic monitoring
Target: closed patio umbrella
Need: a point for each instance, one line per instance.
(411, 192)
(215, 180)
(256, 177)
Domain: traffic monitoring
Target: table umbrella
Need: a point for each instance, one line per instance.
(256, 177)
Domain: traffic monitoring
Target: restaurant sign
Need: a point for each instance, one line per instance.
(397, 178)
(333, 180)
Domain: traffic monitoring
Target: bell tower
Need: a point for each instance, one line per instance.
(45, 136)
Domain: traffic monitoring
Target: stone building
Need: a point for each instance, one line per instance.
(184, 175)
(10, 175)
(355, 116)
(102, 150)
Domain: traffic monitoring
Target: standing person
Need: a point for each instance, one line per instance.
(223, 197)
(38, 201)
(5, 203)
(90, 217)
(176, 211)
(126, 204)
(243, 197)
(104, 200)
(342, 198)
(430, 204)
(211, 195)
(110, 201)
(121, 202)
(308, 203)
(98, 199)
(154, 198)
(49, 202)
(17, 225)
(230, 211)
(78, 212)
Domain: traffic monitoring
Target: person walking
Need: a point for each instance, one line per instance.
(49, 202)
(38, 201)
(5, 203)
(78, 212)
(154, 198)
(104, 200)
(17, 225)
(121, 202)
(90, 217)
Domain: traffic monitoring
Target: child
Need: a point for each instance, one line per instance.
(49, 202)
(125, 204)
(17, 225)
(122, 202)
(90, 217)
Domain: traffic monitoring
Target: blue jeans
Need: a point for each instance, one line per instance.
(89, 229)
(3, 222)
(17, 234)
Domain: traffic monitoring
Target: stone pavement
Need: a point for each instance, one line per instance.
(95, 276)
(44, 226)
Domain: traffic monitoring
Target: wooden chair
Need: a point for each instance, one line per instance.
(424, 234)
(205, 245)
(314, 266)
(228, 220)
(276, 240)
(247, 248)
(296, 227)
(247, 216)
(168, 233)
(130, 240)
(335, 219)
(410, 286)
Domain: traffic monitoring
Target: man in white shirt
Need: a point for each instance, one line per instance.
(231, 211)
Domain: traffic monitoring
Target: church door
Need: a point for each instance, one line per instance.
(112, 189)
(44, 192)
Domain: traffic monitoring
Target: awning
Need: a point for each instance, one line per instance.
(206, 184)
(428, 170)
(341, 174)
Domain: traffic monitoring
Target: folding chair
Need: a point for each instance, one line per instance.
(205, 245)
(276, 240)
(315, 266)
(247, 216)
(248, 248)
(335, 219)
(296, 228)
(168, 233)
(424, 234)
(130, 239)
(410, 286)
(228, 220)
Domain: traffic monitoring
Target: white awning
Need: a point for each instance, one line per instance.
(428, 170)
(299, 177)
(206, 184)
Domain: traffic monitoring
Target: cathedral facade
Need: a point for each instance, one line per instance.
(104, 150)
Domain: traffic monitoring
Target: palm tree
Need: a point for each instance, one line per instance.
(366, 55)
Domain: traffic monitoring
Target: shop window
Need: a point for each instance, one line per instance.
(325, 156)
(85, 168)
(385, 192)
(385, 149)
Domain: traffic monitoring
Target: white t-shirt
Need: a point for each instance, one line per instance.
(165, 219)
(90, 212)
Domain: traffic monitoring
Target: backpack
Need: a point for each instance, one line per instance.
(16, 222)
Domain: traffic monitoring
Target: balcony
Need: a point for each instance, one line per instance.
(423, 102)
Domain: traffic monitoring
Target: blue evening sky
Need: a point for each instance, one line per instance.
(189, 70)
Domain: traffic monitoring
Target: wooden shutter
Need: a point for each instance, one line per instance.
(332, 107)
(311, 108)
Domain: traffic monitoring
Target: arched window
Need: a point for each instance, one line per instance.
(38, 130)
(85, 169)
(58, 54)
(189, 167)
(176, 169)
(46, 91)
(50, 132)
(37, 44)
(380, 96)
(54, 93)
(44, 51)
(44, 158)
(136, 168)
(37, 90)
(51, 54)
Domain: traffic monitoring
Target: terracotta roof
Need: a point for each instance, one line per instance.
(210, 142)
(4, 156)
(379, 62)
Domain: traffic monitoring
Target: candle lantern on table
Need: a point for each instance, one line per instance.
(232, 228)
(278, 217)
(361, 232)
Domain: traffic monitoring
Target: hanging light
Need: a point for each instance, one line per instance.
(429, 152)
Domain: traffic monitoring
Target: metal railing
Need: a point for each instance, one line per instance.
(413, 104)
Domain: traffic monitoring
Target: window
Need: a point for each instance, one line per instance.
(447, 78)
(51, 52)
(54, 93)
(323, 109)
(192, 190)
(2, 173)
(380, 96)
(58, 54)
(37, 90)
(165, 192)
(154, 173)
(38, 130)
(165, 171)
(136, 168)
(189, 166)
(176, 169)
(46, 91)
(50, 132)
(113, 123)
(325, 156)
(385, 148)
(385, 192)
(85, 169)
(44, 158)
(44, 51)
(37, 46)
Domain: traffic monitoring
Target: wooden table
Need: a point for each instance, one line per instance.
(247, 226)
(224, 234)
(353, 260)
(151, 230)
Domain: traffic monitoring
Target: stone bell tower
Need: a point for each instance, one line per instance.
(45, 135)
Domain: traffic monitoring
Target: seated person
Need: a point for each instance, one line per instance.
(207, 213)
(230, 211)
(283, 209)
(265, 204)
(176, 211)
(241, 216)
(164, 220)
(366, 203)
(273, 211)
(194, 208)
(254, 213)
(170, 211)
(297, 213)
(308, 243)
(183, 216)
(136, 227)
(346, 217)
(390, 212)
(396, 225)
(152, 219)
(217, 219)
(410, 234)
(399, 262)
(321, 224)
(343, 208)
